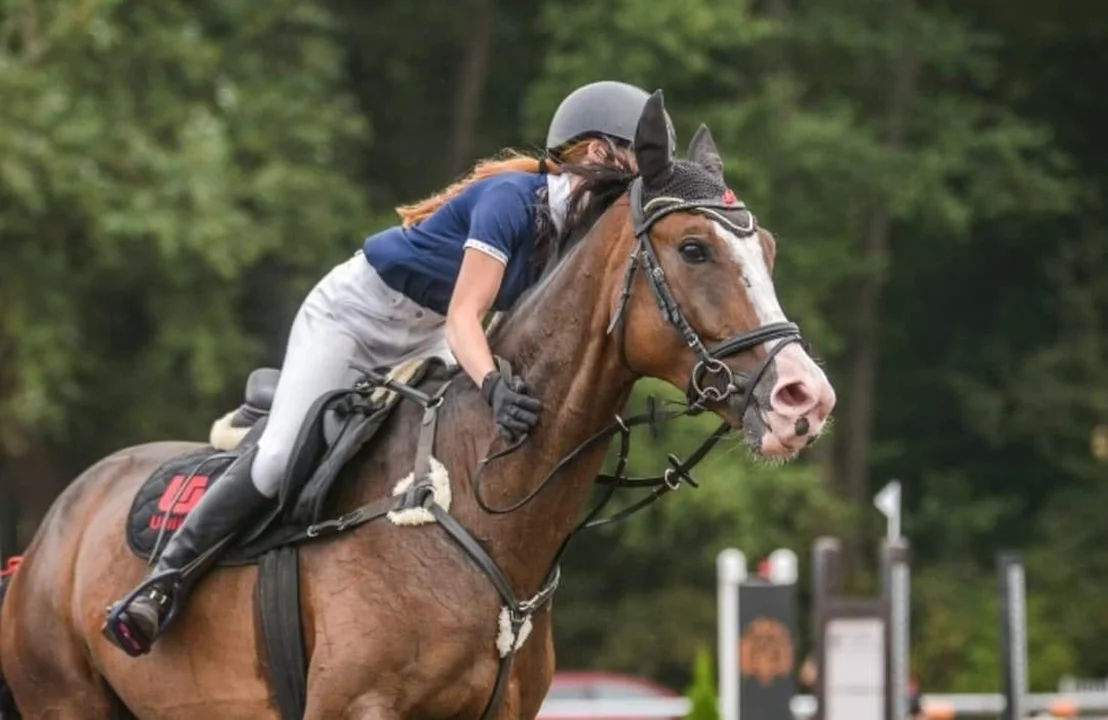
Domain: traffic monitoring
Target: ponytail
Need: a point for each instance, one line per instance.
(507, 161)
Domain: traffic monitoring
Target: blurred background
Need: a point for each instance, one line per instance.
(174, 176)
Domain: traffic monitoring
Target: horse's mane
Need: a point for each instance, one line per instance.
(600, 186)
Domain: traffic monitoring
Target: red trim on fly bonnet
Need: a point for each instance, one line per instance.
(11, 567)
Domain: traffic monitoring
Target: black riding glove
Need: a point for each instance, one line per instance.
(515, 411)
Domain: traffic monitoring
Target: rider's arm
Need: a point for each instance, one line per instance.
(478, 284)
(497, 222)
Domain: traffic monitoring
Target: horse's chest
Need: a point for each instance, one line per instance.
(411, 613)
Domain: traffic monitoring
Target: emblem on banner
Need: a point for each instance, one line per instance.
(766, 650)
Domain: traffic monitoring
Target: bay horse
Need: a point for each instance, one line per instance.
(673, 281)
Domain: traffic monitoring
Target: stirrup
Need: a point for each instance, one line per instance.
(116, 627)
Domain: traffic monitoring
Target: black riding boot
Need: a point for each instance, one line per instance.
(230, 503)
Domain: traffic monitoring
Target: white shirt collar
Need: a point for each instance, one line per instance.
(557, 193)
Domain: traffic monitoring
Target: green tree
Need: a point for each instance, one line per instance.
(956, 631)
(172, 178)
(1012, 392)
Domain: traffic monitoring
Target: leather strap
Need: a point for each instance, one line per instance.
(277, 596)
(425, 446)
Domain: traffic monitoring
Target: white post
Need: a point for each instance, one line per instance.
(783, 566)
(730, 573)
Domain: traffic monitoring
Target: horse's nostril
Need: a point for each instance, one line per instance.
(793, 395)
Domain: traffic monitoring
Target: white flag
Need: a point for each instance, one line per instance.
(888, 500)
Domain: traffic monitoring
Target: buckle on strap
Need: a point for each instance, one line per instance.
(713, 367)
(677, 473)
(337, 525)
(527, 607)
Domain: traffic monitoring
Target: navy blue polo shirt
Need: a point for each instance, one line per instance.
(495, 216)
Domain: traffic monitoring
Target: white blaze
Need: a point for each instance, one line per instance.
(794, 367)
(755, 274)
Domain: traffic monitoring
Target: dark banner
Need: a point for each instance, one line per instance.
(767, 650)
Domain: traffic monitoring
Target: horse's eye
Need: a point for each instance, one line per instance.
(693, 251)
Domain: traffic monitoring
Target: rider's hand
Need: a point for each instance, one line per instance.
(515, 411)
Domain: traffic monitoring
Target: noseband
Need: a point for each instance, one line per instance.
(711, 380)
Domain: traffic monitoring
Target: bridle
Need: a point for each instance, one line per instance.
(710, 380)
(699, 393)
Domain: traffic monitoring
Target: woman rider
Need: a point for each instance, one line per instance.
(417, 289)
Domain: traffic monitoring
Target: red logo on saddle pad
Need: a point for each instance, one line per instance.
(728, 197)
(178, 500)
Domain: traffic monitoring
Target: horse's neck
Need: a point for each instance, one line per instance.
(558, 342)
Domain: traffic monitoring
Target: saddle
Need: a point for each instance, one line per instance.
(337, 426)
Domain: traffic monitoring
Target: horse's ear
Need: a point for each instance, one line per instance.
(702, 151)
(655, 143)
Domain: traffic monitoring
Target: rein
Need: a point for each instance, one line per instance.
(671, 479)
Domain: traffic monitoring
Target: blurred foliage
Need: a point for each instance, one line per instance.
(956, 631)
(155, 162)
(703, 693)
(175, 176)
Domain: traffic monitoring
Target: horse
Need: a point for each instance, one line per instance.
(671, 280)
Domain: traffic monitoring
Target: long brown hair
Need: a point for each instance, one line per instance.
(507, 161)
(601, 184)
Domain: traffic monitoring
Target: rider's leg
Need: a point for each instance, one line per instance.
(349, 319)
(223, 510)
(317, 360)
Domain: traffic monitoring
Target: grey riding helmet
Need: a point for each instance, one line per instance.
(606, 107)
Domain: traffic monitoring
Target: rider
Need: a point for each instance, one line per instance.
(417, 289)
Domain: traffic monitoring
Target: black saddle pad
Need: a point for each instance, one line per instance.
(167, 496)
